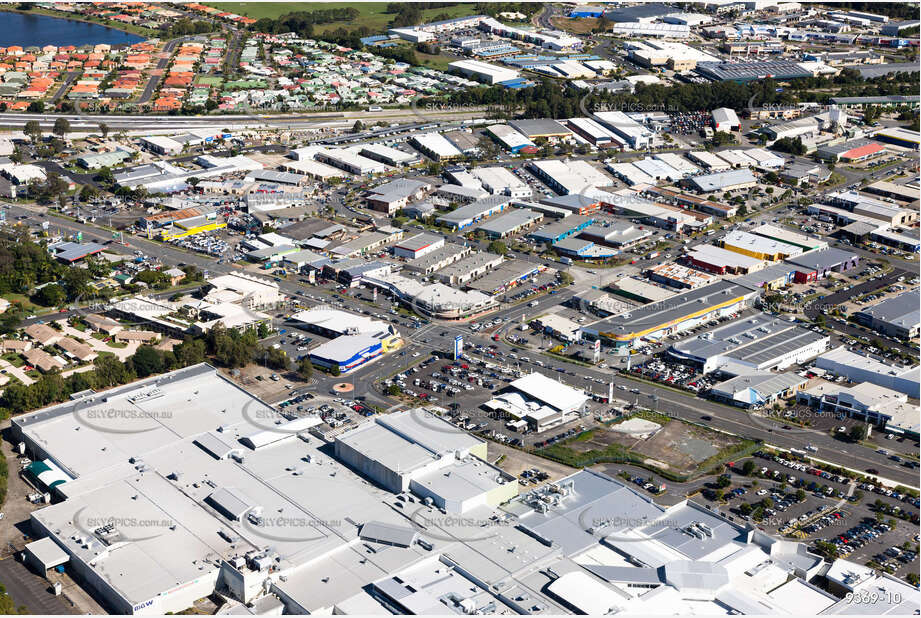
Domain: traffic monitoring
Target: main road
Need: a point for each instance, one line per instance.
(666, 400)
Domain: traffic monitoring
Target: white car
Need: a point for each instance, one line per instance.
(416, 355)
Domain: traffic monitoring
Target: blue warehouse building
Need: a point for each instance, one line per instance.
(347, 352)
(555, 232)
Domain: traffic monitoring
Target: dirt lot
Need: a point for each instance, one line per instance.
(677, 446)
(266, 389)
(515, 462)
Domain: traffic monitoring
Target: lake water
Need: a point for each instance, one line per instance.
(40, 30)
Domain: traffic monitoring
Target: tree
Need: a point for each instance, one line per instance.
(104, 130)
(393, 390)
(748, 467)
(305, 368)
(745, 508)
(61, 127)
(49, 296)
(800, 495)
(358, 127)
(858, 432)
(498, 247)
(147, 361)
(33, 130)
(334, 370)
(723, 482)
(767, 503)
(275, 358)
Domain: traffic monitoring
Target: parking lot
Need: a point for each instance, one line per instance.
(791, 498)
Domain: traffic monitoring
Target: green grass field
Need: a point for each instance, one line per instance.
(372, 13)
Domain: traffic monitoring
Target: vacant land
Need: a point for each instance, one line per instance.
(678, 449)
(373, 14)
(581, 25)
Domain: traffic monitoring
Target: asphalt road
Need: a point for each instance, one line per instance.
(668, 401)
(824, 305)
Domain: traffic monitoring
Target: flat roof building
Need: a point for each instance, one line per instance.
(435, 146)
(484, 72)
(806, 243)
(820, 263)
(675, 314)
(418, 245)
(465, 216)
(723, 181)
(748, 345)
(897, 316)
(723, 261)
(511, 222)
(541, 401)
(864, 368)
(509, 138)
(758, 246)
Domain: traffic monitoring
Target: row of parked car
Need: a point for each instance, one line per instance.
(858, 536)
(565, 435)
(830, 519)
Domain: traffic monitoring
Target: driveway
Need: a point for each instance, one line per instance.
(16, 371)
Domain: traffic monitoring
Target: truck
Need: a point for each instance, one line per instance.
(533, 303)
(653, 255)
(566, 260)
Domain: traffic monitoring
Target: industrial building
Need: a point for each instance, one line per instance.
(852, 151)
(418, 245)
(709, 160)
(899, 136)
(898, 316)
(780, 70)
(731, 180)
(224, 494)
(500, 181)
(804, 242)
(558, 230)
(541, 128)
(887, 409)
(594, 133)
(484, 72)
(417, 451)
(435, 146)
(620, 234)
(566, 177)
(510, 139)
(722, 261)
(863, 368)
(725, 119)
(820, 263)
(758, 389)
(392, 196)
(759, 247)
(678, 276)
(474, 265)
(465, 216)
(635, 134)
(350, 161)
(673, 315)
(385, 154)
(541, 401)
(511, 222)
(746, 346)
(505, 276)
